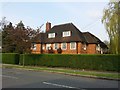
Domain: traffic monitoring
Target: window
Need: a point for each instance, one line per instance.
(51, 35)
(34, 46)
(43, 47)
(48, 46)
(64, 46)
(56, 45)
(84, 47)
(73, 45)
(66, 33)
(98, 47)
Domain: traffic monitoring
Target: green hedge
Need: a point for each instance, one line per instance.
(10, 58)
(91, 62)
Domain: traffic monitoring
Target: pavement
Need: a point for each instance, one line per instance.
(16, 78)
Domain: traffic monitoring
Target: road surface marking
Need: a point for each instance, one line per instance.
(58, 85)
(9, 76)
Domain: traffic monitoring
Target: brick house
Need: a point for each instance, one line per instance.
(67, 38)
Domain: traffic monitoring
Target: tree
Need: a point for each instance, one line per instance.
(17, 39)
(108, 45)
(7, 41)
(3, 22)
(0, 41)
(111, 20)
(20, 25)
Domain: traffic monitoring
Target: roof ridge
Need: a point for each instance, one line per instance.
(62, 24)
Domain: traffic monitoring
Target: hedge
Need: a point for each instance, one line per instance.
(10, 58)
(91, 62)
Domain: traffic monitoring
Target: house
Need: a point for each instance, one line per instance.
(67, 39)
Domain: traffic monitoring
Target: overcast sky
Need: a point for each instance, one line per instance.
(86, 16)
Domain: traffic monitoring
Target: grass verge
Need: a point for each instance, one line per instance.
(93, 74)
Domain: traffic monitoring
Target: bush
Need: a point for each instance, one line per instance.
(10, 58)
(91, 62)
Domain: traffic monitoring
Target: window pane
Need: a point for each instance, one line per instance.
(48, 46)
(66, 33)
(73, 45)
(51, 35)
(64, 45)
(56, 46)
(34, 46)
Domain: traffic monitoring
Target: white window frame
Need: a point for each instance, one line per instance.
(66, 33)
(51, 35)
(43, 47)
(48, 46)
(34, 47)
(98, 48)
(85, 47)
(57, 46)
(62, 46)
(71, 46)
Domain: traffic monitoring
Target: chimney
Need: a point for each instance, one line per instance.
(48, 26)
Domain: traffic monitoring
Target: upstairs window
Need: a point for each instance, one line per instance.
(51, 35)
(66, 33)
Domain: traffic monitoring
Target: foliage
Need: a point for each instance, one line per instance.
(17, 39)
(91, 62)
(10, 58)
(108, 45)
(0, 41)
(111, 20)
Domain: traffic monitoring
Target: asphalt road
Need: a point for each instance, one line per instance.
(14, 78)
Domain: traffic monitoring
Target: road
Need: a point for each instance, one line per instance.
(15, 78)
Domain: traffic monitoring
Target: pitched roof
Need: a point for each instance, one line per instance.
(76, 35)
(38, 38)
(92, 39)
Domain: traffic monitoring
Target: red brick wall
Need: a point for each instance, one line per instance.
(38, 49)
(91, 49)
(79, 47)
(69, 51)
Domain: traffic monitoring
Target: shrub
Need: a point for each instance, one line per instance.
(10, 58)
(59, 50)
(91, 62)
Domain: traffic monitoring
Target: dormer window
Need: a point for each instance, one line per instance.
(66, 33)
(51, 35)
